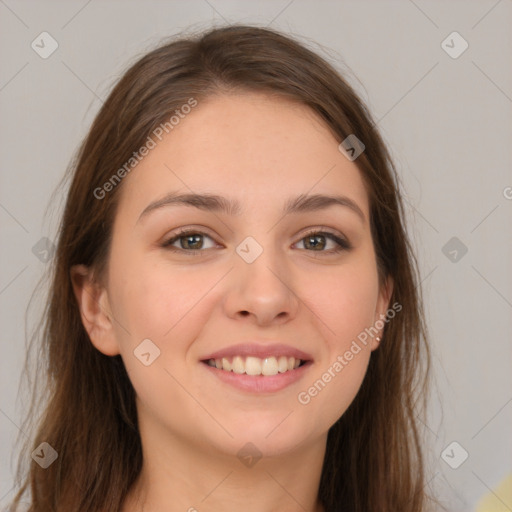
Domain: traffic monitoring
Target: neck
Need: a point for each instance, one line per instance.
(179, 476)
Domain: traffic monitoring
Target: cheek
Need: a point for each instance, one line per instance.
(345, 299)
(156, 301)
(333, 389)
(169, 308)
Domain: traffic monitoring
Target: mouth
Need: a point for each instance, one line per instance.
(257, 376)
(256, 366)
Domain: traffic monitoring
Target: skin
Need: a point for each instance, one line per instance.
(260, 150)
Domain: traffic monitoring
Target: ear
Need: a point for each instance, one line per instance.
(385, 292)
(95, 310)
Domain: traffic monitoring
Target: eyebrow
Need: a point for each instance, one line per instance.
(215, 203)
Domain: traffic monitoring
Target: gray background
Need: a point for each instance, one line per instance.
(447, 120)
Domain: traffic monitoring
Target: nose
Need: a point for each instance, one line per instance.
(262, 291)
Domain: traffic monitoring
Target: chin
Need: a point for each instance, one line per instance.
(272, 434)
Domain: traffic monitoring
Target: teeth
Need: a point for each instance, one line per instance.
(238, 365)
(282, 364)
(253, 366)
(256, 366)
(269, 366)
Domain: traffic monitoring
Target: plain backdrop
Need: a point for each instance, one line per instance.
(446, 116)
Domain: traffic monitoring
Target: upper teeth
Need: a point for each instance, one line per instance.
(255, 365)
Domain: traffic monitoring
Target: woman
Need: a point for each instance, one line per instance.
(234, 320)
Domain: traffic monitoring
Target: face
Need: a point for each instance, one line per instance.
(251, 287)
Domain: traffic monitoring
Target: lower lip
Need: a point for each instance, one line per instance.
(259, 383)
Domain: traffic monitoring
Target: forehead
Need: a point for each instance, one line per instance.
(253, 147)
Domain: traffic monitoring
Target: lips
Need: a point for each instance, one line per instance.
(258, 350)
(258, 368)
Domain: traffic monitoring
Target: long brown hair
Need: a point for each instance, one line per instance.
(374, 460)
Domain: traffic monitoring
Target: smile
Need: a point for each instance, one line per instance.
(255, 366)
(257, 382)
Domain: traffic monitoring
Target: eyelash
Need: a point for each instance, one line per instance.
(343, 244)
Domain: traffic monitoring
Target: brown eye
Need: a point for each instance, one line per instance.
(317, 241)
(312, 242)
(189, 241)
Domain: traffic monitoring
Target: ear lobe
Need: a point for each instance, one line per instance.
(94, 309)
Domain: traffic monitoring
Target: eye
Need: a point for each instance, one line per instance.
(317, 241)
(189, 241)
(192, 242)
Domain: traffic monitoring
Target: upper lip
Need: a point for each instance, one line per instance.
(259, 350)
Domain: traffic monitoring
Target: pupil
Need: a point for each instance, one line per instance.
(191, 237)
(311, 241)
